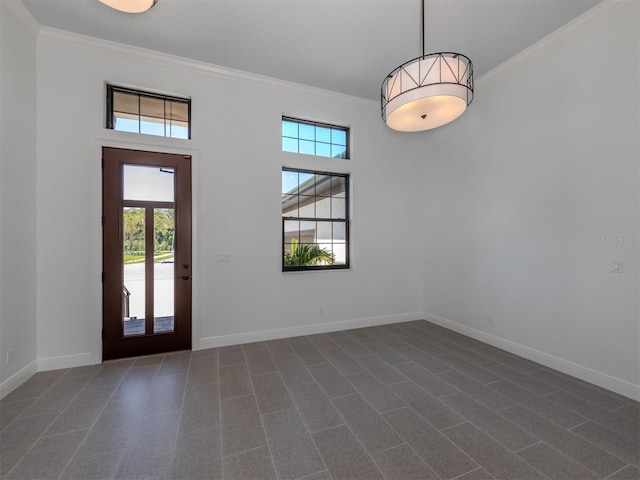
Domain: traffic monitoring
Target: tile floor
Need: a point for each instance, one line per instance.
(403, 401)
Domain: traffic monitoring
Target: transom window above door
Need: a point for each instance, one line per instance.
(148, 113)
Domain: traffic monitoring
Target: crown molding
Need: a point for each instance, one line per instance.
(106, 47)
(24, 15)
(589, 17)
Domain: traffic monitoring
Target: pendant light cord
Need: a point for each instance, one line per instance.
(422, 24)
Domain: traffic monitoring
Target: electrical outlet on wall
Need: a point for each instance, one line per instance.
(10, 355)
(616, 265)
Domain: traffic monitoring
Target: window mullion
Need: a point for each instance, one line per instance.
(311, 241)
(121, 105)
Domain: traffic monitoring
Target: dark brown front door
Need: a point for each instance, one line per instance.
(146, 207)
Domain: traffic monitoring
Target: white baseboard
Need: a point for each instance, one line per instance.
(262, 335)
(600, 379)
(17, 379)
(67, 361)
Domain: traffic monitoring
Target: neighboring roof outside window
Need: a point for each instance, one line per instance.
(137, 111)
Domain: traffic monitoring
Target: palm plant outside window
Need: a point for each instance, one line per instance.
(315, 220)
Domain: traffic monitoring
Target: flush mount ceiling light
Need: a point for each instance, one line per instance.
(428, 91)
(130, 6)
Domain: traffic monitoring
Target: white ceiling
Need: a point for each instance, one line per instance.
(347, 46)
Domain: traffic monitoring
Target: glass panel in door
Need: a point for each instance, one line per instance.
(163, 269)
(133, 256)
(148, 249)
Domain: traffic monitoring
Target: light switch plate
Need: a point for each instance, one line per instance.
(223, 258)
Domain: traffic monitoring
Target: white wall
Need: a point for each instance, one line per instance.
(17, 198)
(236, 146)
(520, 192)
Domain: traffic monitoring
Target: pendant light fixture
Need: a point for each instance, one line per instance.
(428, 91)
(130, 6)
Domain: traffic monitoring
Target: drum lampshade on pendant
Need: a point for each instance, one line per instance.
(428, 91)
(130, 6)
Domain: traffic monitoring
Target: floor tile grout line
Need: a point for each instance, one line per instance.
(295, 405)
(517, 452)
(467, 420)
(131, 367)
(235, 397)
(346, 377)
(52, 385)
(502, 445)
(326, 360)
(578, 383)
(548, 445)
(396, 370)
(626, 405)
(606, 450)
(301, 360)
(420, 456)
(393, 409)
(580, 424)
(392, 447)
(264, 430)
(263, 373)
(360, 345)
(604, 409)
(618, 471)
(579, 437)
(518, 403)
(590, 419)
(471, 471)
(517, 373)
(536, 469)
(235, 454)
(442, 430)
(517, 427)
(220, 422)
(36, 399)
(522, 405)
(179, 423)
(138, 419)
(352, 358)
(495, 381)
(344, 423)
(498, 441)
(234, 364)
(392, 429)
(324, 429)
(60, 413)
(313, 475)
(449, 394)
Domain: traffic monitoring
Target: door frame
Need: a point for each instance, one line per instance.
(115, 343)
(152, 144)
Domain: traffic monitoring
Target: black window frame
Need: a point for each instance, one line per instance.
(346, 221)
(300, 121)
(110, 121)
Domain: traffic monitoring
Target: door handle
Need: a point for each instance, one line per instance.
(184, 277)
